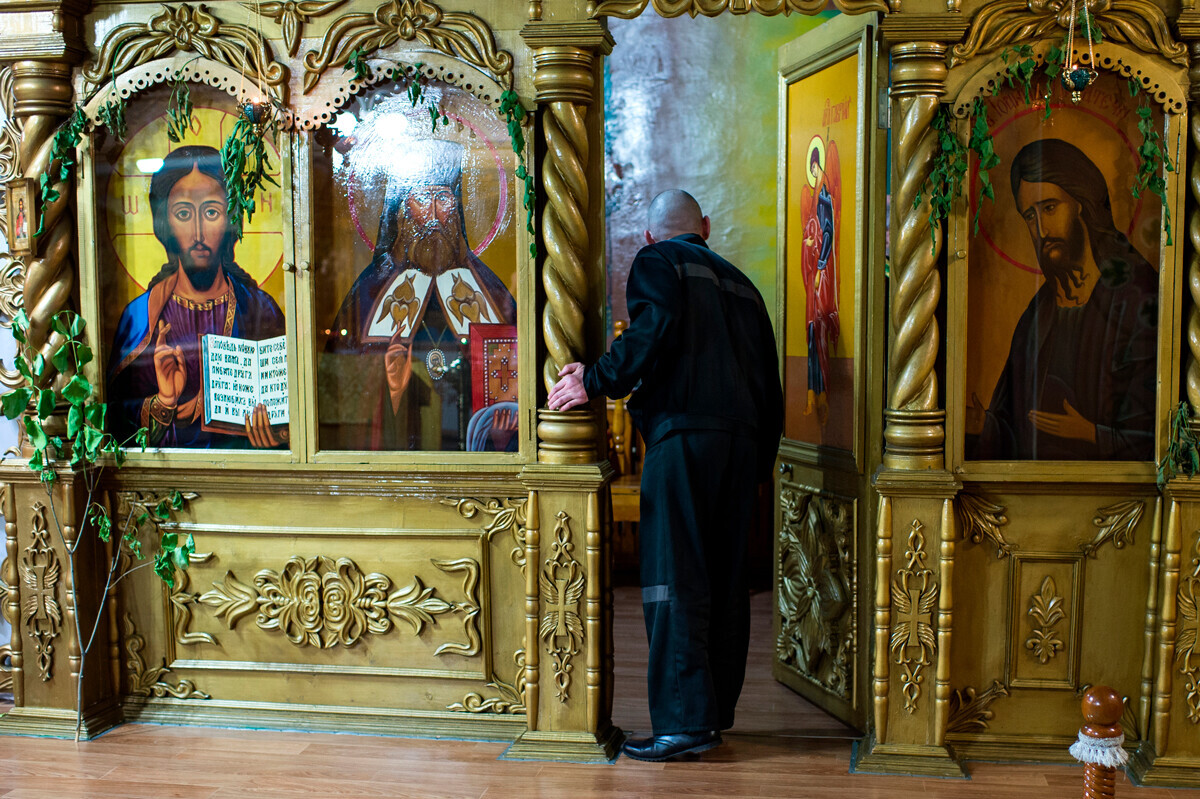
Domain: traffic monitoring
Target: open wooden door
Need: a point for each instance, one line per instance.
(830, 318)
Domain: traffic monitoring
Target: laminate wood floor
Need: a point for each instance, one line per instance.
(780, 747)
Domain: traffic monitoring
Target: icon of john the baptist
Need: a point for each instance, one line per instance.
(1080, 378)
(155, 375)
(396, 366)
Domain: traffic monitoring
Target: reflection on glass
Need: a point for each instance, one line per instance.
(173, 279)
(424, 338)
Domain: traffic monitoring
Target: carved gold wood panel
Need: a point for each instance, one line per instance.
(815, 588)
(41, 611)
(404, 606)
(1043, 645)
(914, 599)
(1053, 592)
(323, 603)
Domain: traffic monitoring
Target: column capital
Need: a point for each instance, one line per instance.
(918, 68)
(42, 87)
(564, 55)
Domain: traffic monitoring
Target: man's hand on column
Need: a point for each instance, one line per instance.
(568, 392)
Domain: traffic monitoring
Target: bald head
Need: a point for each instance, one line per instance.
(674, 213)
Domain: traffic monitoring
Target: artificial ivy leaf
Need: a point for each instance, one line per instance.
(78, 390)
(164, 569)
(15, 402)
(177, 503)
(39, 365)
(161, 511)
(93, 439)
(20, 325)
(94, 413)
(74, 421)
(45, 403)
(141, 437)
(37, 436)
(180, 557)
(62, 358)
(189, 545)
(169, 540)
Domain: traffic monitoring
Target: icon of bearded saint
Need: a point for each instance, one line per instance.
(396, 373)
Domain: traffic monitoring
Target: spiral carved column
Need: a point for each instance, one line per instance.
(915, 425)
(1193, 255)
(565, 233)
(566, 86)
(43, 99)
(567, 690)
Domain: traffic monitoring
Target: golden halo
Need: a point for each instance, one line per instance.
(819, 146)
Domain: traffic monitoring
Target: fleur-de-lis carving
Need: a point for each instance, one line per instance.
(1047, 608)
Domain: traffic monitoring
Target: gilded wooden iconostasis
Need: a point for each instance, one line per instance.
(375, 550)
(380, 559)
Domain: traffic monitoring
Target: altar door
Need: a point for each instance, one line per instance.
(829, 320)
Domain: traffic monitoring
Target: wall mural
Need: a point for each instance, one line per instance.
(1063, 286)
(198, 354)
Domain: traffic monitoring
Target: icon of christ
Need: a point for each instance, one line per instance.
(397, 366)
(820, 210)
(155, 377)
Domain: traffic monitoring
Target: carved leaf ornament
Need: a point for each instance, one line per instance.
(322, 603)
(815, 600)
(1046, 607)
(1187, 653)
(186, 29)
(1138, 23)
(462, 36)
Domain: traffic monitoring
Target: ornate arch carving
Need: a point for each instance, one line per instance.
(1168, 87)
(187, 29)
(163, 70)
(1138, 23)
(459, 35)
(433, 65)
(628, 9)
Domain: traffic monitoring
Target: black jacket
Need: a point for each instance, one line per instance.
(699, 353)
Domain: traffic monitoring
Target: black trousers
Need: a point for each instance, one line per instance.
(698, 489)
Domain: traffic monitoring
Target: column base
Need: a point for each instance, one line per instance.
(868, 757)
(567, 747)
(53, 722)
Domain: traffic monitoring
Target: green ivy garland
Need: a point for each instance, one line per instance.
(88, 447)
(246, 162)
(1153, 160)
(1183, 447)
(514, 114)
(179, 107)
(62, 159)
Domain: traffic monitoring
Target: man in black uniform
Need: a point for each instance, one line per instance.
(700, 357)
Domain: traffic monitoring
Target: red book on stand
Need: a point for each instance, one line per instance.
(493, 365)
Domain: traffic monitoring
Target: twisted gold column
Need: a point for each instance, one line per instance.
(43, 99)
(565, 80)
(566, 237)
(914, 432)
(1193, 320)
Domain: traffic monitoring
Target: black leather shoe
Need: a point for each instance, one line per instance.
(666, 747)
